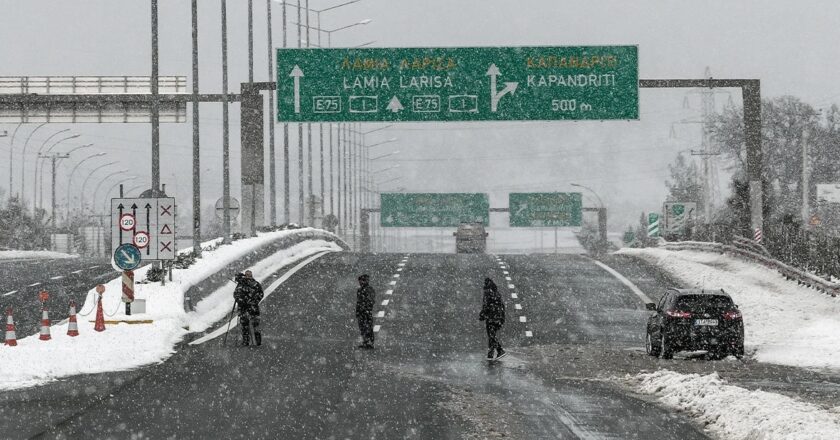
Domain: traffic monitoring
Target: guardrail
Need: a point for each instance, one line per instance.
(754, 252)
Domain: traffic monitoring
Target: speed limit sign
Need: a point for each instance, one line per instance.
(141, 239)
(127, 222)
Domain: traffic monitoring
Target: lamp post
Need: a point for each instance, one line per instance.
(105, 200)
(87, 179)
(103, 180)
(602, 215)
(23, 162)
(38, 161)
(70, 179)
(11, 158)
(41, 178)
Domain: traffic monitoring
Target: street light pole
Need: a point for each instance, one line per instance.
(310, 189)
(286, 178)
(70, 180)
(11, 158)
(300, 136)
(84, 184)
(272, 179)
(23, 164)
(196, 159)
(225, 134)
(39, 171)
(155, 102)
(602, 215)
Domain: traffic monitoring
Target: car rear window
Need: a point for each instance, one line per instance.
(700, 302)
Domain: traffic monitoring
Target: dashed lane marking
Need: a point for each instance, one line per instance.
(389, 292)
(523, 319)
(529, 334)
(76, 272)
(58, 277)
(517, 306)
(381, 314)
(92, 267)
(511, 286)
(393, 283)
(10, 293)
(399, 269)
(396, 275)
(508, 279)
(34, 284)
(376, 328)
(506, 272)
(514, 296)
(385, 303)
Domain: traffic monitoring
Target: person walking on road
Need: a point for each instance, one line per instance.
(365, 299)
(493, 315)
(248, 294)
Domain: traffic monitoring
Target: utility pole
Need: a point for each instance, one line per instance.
(155, 103)
(196, 182)
(806, 179)
(286, 178)
(301, 207)
(225, 133)
(310, 189)
(272, 180)
(55, 157)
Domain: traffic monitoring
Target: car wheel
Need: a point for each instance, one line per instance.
(652, 350)
(667, 351)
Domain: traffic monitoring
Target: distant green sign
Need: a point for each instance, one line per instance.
(457, 84)
(433, 209)
(545, 209)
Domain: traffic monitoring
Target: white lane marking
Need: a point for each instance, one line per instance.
(529, 334)
(401, 265)
(273, 287)
(376, 328)
(34, 284)
(92, 267)
(624, 280)
(506, 272)
(517, 306)
(523, 319)
(10, 293)
(75, 272)
(508, 279)
(385, 303)
(511, 286)
(381, 314)
(104, 275)
(393, 283)
(399, 269)
(514, 296)
(389, 292)
(396, 275)
(57, 277)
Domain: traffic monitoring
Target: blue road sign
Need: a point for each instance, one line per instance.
(127, 257)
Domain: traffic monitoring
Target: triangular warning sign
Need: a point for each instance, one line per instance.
(166, 230)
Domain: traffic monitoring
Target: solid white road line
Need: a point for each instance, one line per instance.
(623, 280)
(376, 328)
(389, 292)
(523, 319)
(529, 334)
(381, 314)
(385, 303)
(57, 277)
(271, 289)
(34, 284)
(10, 293)
(517, 306)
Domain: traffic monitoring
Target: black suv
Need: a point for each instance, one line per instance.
(695, 319)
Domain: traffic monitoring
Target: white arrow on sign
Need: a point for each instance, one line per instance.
(395, 105)
(129, 258)
(522, 207)
(495, 95)
(297, 74)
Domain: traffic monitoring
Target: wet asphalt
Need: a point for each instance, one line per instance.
(426, 379)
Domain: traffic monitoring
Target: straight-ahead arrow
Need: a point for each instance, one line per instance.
(495, 96)
(149, 227)
(395, 105)
(297, 74)
(119, 222)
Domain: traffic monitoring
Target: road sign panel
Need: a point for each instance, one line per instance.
(678, 216)
(653, 225)
(433, 209)
(154, 226)
(457, 84)
(545, 209)
(127, 257)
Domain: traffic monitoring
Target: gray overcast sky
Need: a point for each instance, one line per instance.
(789, 45)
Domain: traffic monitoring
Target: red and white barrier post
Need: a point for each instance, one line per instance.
(100, 314)
(128, 290)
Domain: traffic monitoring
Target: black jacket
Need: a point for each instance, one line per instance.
(365, 299)
(248, 294)
(493, 307)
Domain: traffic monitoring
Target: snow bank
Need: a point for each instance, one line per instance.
(127, 346)
(45, 255)
(784, 323)
(736, 413)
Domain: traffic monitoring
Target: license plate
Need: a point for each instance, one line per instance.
(711, 322)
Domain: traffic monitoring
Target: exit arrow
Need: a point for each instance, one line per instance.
(495, 95)
(395, 105)
(297, 74)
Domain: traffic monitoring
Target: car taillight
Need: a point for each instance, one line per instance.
(732, 314)
(678, 314)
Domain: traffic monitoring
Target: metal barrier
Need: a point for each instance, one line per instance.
(745, 249)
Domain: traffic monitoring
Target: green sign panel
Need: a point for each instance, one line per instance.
(433, 209)
(545, 209)
(457, 84)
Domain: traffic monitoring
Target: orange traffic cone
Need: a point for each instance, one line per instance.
(72, 326)
(100, 316)
(45, 325)
(11, 338)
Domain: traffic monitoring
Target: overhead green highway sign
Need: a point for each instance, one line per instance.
(545, 209)
(457, 84)
(433, 209)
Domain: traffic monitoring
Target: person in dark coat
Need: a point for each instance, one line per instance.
(365, 299)
(493, 315)
(248, 294)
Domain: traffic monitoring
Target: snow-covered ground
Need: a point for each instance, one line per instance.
(735, 413)
(126, 346)
(784, 323)
(25, 255)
